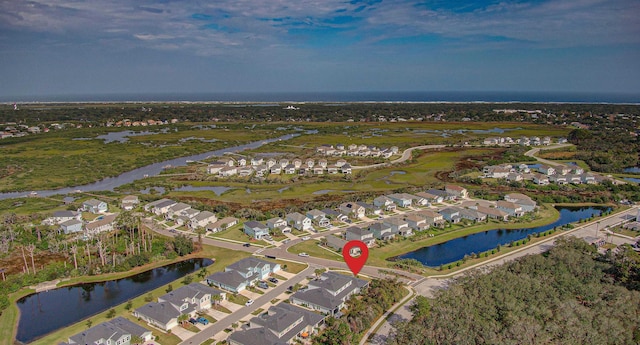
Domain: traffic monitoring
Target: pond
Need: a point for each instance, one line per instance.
(44, 312)
(632, 179)
(633, 170)
(456, 249)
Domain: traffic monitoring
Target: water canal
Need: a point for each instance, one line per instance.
(456, 249)
(44, 312)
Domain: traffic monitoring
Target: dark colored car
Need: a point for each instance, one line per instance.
(193, 321)
(247, 245)
(263, 285)
(273, 280)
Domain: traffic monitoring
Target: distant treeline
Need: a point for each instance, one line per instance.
(100, 113)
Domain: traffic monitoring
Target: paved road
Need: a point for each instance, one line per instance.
(533, 152)
(236, 316)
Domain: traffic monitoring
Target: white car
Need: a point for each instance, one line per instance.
(249, 302)
(304, 255)
(306, 238)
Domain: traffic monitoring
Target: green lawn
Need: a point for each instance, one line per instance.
(237, 299)
(312, 248)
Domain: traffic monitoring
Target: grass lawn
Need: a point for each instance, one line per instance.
(218, 307)
(235, 233)
(255, 290)
(312, 248)
(188, 326)
(257, 311)
(237, 299)
(274, 301)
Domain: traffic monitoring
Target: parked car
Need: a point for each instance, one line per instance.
(173, 231)
(193, 321)
(304, 255)
(263, 285)
(249, 302)
(286, 241)
(247, 245)
(273, 280)
(202, 320)
(304, 238)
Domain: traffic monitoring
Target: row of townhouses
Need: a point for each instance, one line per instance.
(183, 214)
(226, 167)
(524, 141)
(541, 174)
(117, 331)
(354, 150)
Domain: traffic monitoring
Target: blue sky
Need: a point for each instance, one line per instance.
(147, 46)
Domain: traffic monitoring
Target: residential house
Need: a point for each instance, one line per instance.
(433, 218)
(242, 162)
(511, 208)
(290, 169)
(71, 226)
(558, 179)
(352, 209)
(445, 196)
(297, 163)
(261, 170)
(283, 162)
(346, 169)
(278, 224)
(370, 209)
(129, 202)
(431, 198)
(401, 199)
(237, 276)
(221, 224)
(332, 214)
(202, 219)
(60, 217)
(340, 163)
(547, 170)
(322, 163)
(245, 171)
(215, 168)
(275, 169)
(281, 324)
(164, 315)
(329, 293)
(309, 163)
(271, 162)
(398, 226)
(101, 225)
(451, 214)
(94, 206)
(196, 294)
(318, 170)
(337, 243)
(473, 215)
(332, 169)
(381, 231)
(416, 221)
(384, 203)
(299, 221)
(255, 229)
(457, 191)
(176, 210)
(515, 177)
(360, 234)
(257, 161)
(540, 179)
(318, 217)
(155, 206)
(527, 204)
(493, 213)
(228, 171)
(117, 331)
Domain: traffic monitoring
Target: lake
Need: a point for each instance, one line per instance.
(456, 249)
(44, 312)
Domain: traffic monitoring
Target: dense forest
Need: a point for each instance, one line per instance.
(570, 295)
(606, 149)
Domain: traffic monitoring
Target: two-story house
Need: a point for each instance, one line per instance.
(94, 206)
(299, 221)
(328, 293)
(360, 234)
(237, 276)
(255, 229)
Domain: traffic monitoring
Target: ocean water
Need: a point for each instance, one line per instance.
(435, 96)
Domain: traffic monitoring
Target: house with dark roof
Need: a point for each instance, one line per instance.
(352, 209)
(401, 199)
(416, 221)
(299, 221)
(115, 331)
(318, 217)
(281, 324)
(398, 226)
(329, 293)
(222, 224)
(360, 234)
(385, 203)
(370, 209)
(164, 315)
(381, 231)
(237, 276)
(202, 219)
(451, 214)
(278, 224)
(71, 226)
(512, 209)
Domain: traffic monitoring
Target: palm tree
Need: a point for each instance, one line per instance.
(183, 318)
(216, 298)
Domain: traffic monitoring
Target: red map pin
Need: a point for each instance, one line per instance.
(355, 263)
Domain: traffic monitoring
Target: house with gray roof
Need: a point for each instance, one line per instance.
(94, 206)
(473, 215)
(329, 292)
(116, 331)
(71, 226)
(333, 214)
(176, 210)
(401, 199)
(129, 202)
(318, 217)
(360, 234)
(164, 315)
(451, 214)
(159, 206)
(104, 224)
(416, 221)
(278, 224)
(202, 219)
(370, 209)
(352, 209)
(398, 226)
(255, 229)
(433, 218)
(281, 324)
(512, 209)
(299, 221)
(441, 193)
(60, 217)
(195, 293)
(381, 231)
(221, 224)
(237, 276)
(385, 203)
